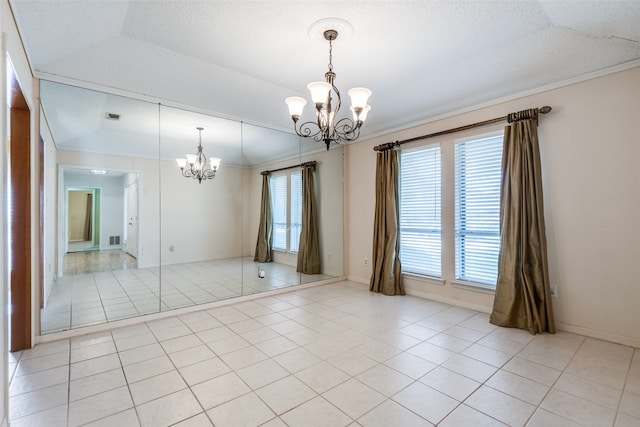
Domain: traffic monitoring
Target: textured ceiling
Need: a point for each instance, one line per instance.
(240, 59)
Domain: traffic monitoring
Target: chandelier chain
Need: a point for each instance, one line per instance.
(330, 54)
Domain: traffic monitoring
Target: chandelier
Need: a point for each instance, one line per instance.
(195, 165)
(325, 128)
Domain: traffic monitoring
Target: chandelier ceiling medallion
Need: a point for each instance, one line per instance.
(325, 128)
(195, 165)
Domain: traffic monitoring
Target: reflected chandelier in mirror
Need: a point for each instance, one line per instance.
(198, 168)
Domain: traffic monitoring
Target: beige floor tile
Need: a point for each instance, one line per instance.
(542, 418)
(219, 390)
(389, 413)
(463, 415)
(577, 409)
(504, 408)
(169, 409)
(95, 384)
(470, 368)
(262, 373)
(191, 355)
(200, 420)
(450, 383)
(285, 394)
(157, 386)
(38, 400)
(322, 376)
(99, 406)
(589, 390)
(203, 371)
(147, 368)
(519, 387)
(244, 357)
(127, 418)
(332, 355)
(428, 403)
(38, 380)
(247, 410)
(532, 371)
(53, 417)
(296, 359)
(384, 380)
(316, 412)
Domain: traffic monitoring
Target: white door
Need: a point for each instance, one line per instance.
(131, 215)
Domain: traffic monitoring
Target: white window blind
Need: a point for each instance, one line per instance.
(296, 211)
(477, 209)
(286, 205)
(420, 211)
(279, 211)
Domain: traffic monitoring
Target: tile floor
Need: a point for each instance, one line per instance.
(88, 261)
(110, 289)
(330, 355)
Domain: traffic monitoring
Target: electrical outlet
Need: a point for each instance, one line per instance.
(366, 261)
(554, 291)
(172, 248)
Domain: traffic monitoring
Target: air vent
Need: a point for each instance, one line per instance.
(114, 240)
(112, 116)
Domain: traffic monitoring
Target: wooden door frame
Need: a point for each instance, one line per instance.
(20, 301)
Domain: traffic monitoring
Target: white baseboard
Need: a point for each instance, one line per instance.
(601, 335)
(358, 280)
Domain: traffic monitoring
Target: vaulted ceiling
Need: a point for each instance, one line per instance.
(240, 59)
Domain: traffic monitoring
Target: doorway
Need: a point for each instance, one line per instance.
(131, 217)
(83, 219)
(19, 216)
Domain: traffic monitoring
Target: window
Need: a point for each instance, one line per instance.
(286, 206)
(420, 212)
(477, 209)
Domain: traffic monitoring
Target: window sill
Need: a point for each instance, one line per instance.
(427, 279)
(476, 287)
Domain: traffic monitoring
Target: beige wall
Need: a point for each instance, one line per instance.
(590, 150)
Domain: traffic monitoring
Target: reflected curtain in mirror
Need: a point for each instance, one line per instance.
(523, 295)
(265, 227)
(386, 275)
(309, 249)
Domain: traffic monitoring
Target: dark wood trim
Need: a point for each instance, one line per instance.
(20, 218)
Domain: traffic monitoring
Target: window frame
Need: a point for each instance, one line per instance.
(289, 226)
(461, 281)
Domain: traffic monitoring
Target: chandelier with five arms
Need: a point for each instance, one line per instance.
(325, 128)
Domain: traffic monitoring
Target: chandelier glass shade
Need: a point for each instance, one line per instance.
(325, 128)
(196, 166)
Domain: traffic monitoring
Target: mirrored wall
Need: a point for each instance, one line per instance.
(126, 234)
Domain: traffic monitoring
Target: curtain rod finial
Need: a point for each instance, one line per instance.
(545, 109)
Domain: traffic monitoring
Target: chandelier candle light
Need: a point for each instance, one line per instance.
(325, 128)
(195, 165)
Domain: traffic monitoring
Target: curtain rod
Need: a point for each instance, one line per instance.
(301, 165)
(390, 145)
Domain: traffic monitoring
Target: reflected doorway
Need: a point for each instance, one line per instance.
(83, 219)
(131, 215)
